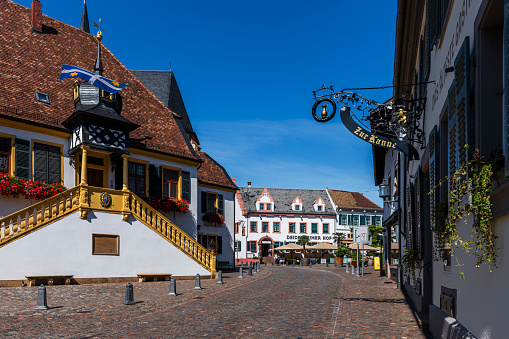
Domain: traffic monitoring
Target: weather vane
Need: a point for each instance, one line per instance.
(99, 35)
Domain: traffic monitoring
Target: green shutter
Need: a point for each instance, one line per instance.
(54, 164)
(434, 172)
(204, 202)
(220, 204)
(155, 183)
(22, 155)
(40, 162)
(186, 186)
(409, 221)
(219, 244)
(462, 101)
(418, 212)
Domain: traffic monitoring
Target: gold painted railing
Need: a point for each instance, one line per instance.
(164, 227)
(38, 215)
(88, 198)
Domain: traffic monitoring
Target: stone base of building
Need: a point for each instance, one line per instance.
(443, 326)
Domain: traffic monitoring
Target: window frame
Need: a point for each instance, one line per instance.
(316, 224)
(294, 227)
(268, 207)
(12, 150)
(179, 181)
(261, 207)
(255, 223)
(145, 169)
(328, 228)
(265, 223)
(300, 227)
(32, 154)
(274, 227)
(251, 243)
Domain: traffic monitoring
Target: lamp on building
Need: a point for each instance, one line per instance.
(384, 190)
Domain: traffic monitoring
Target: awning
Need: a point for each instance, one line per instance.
(289, 247)
(322, 246)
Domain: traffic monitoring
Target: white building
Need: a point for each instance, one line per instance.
(118, 155)
(458, 52)
(270, 217)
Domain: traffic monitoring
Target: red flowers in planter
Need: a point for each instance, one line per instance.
(12, 186)
(213, 218)
(167, 204)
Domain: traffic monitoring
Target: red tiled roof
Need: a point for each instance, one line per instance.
(352, 200)
(210, 172)
(31, 61)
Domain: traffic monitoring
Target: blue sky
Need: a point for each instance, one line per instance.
(247, 69)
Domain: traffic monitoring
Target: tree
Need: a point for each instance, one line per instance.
(374, 230)
(338, 238)
(303, 240)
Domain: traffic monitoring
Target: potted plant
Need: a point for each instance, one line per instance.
(303, 240)
(340, 253)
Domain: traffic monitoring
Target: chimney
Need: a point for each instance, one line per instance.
(37, 16)
(234, 181)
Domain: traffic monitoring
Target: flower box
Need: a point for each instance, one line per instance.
(214, 219)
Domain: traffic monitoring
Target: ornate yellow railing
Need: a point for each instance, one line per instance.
(164, 227)
(38, 215)
(87, 198)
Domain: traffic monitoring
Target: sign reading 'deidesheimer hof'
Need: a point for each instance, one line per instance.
(311, 237)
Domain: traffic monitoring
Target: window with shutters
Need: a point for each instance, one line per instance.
(5, 155)
(363, 220)
(171, 183)
(47, 163)
(344, 219)
(252, 246)
(238, 246)
(22, 156)
(136, 177)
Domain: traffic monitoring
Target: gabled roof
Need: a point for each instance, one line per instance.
(352, 201)
(31, 61)
(283, 199)
(211, 173)
(164, 86)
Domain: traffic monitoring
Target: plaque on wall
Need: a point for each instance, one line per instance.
(105, 244)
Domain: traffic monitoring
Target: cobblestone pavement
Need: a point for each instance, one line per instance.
(279, 302)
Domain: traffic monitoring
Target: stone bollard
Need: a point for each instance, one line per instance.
(272, 263)
(300, 264)
(197, 284)
(310, 264)
(255, 268)
(327, 264)
(129, 294)
(352, 269)
(173, 287)
(293, 263)
(259, 267)
(220, 277)
(250, 272)
(347, 265)
(265, 263)
(240, 273)
(42, 303)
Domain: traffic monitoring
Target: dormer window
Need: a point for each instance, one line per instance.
(319, 208)
(42, 97)
(269, 207)
(262, 207)
(297, 207)
(106, 96)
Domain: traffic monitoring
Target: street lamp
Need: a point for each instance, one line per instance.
(384, 190)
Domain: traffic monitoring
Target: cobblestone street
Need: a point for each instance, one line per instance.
(279, 302)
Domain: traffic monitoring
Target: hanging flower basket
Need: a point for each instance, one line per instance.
(213, 218)
(166, 205)
(12, 187)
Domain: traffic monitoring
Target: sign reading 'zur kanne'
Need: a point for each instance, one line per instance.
(376, 139)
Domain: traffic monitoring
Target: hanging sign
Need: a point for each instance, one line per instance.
(376, 139)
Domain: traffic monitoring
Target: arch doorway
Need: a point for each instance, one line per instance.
(266, 246)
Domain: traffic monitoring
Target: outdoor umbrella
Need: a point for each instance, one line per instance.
(289, 247)
(366, 247)
(322, 246)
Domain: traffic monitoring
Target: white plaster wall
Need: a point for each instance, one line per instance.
(65, 247)
(227, 230)
(11, 205)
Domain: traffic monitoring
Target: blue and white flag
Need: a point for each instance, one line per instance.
(110, 86)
